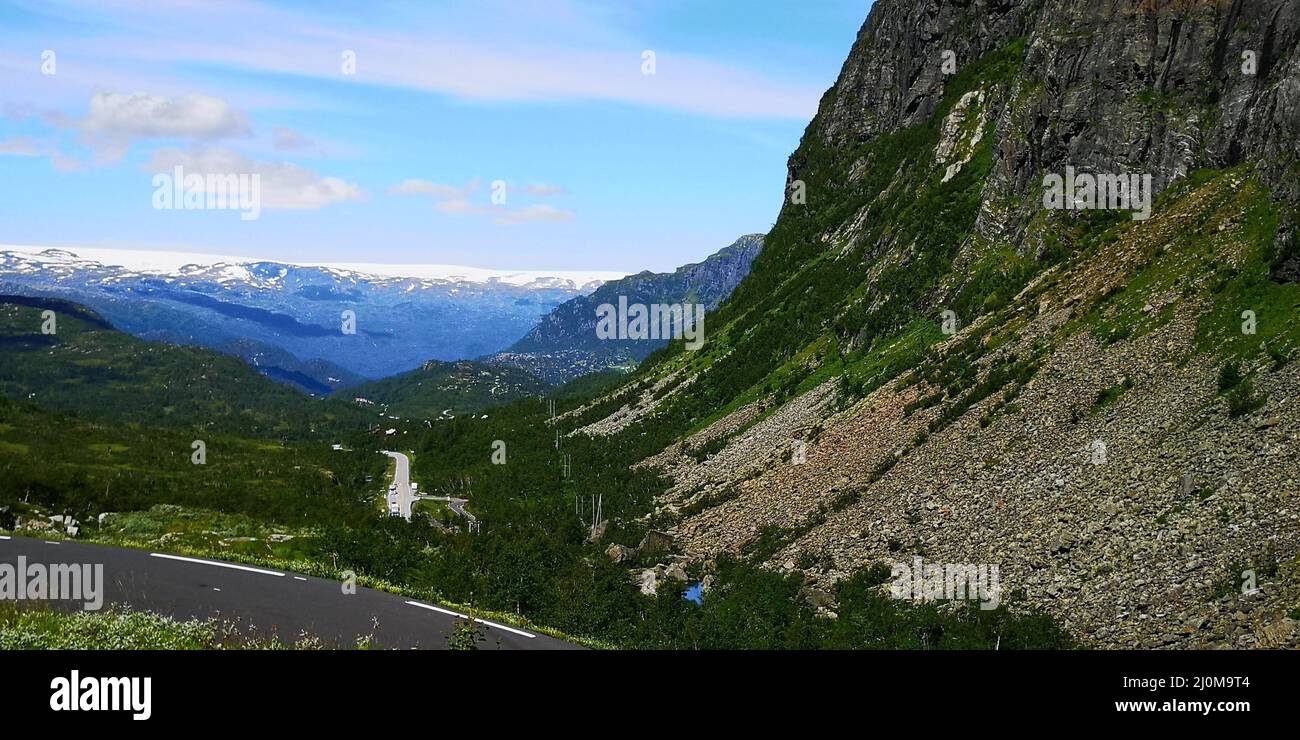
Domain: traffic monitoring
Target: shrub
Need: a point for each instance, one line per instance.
(1229, 376)
(1244, 400)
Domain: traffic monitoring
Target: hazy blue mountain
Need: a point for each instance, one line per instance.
(286, 319)
(564, 345)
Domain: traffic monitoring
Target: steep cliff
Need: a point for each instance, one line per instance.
(931, 358)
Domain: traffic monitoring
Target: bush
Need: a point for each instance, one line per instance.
(1229, 376)
(1244, 400)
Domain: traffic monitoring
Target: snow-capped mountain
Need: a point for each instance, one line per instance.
(290, 320)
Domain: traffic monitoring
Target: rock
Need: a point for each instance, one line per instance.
(281, 537)
(654, 542)
(598, 533)
(619, 553)
(649, 582)
(104, 517)
(817, 597)
(676, 572)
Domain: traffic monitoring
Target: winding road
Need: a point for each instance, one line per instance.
(265, 601)
(405, 499)
(402, 477)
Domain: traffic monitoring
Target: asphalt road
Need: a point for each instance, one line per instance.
(457, 505)
(265, 601)
(402, 477)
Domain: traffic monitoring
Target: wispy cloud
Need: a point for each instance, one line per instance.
(456, 200)
(543, 190)
(434, 190)
(286, 139)
(542, 212)
(511, 64)
(26, 146)
(19, 146)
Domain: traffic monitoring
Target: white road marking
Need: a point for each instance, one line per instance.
(299, 578)
(219, 565)
(214, 588)
(4, 536)
(466, 616)
(51, 542)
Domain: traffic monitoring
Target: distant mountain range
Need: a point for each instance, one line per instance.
(415, 325)
(564, 345)
(287, 320)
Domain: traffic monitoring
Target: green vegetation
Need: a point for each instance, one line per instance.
(30, 628)
(457, 387)
(88, 370)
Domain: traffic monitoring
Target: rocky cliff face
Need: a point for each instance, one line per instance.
(928, 361)
(1158, 86)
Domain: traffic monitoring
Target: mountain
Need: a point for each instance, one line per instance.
(935, 357)
(444, 390)
(287, 319)
(88, 369)
(564, 344)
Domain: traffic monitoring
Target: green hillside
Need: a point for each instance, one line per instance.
(88, 369)
(455, 388)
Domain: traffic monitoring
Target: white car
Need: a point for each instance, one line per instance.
(392, 487)
(415, 487)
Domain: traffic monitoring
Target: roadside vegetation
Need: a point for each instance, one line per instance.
(33, 628)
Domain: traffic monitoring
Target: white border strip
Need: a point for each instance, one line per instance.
(465, 616)
(4, 536)
(218, 564)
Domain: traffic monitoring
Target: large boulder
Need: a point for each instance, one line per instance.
(655, 542)
(620, 553)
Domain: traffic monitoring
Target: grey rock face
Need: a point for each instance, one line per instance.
(1110, 86)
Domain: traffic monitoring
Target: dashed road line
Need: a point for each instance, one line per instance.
(216, 563)
(466, 616)
(299, 578)
(4, 536)
(51, 542)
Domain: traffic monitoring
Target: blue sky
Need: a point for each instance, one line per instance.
(604, 167)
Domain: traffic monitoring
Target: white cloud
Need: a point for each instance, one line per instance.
(541, 212)
(26, 146)
(286, 139)
(460, 207)
(433, 189)
(485, 58)
(543, 190)
(19, 146)
(117, 120)
(283, 184)
(458, 201)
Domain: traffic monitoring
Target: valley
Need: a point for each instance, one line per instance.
(934, 365)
